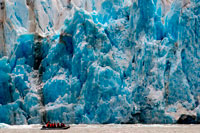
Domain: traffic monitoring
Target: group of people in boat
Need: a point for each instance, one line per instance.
(55, 125)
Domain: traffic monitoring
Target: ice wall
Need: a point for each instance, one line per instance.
(100, 61)
(2, 13)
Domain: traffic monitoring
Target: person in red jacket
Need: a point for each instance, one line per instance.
(58, 125)
(51, 125)
(62, 125)
(48, 124)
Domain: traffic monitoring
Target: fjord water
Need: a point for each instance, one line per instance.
(109, 128)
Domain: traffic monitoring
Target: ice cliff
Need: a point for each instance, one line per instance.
(99, 61)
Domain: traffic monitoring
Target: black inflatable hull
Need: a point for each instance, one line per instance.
(56, 128)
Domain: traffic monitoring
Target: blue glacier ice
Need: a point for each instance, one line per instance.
(99, 61)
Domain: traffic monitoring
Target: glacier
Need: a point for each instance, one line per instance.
(99, 61)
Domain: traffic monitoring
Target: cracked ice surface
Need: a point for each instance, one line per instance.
(99, 61)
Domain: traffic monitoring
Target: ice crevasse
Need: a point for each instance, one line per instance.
(99, 61)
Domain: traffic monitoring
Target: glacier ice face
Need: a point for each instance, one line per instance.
(4, 81)
(99, 61)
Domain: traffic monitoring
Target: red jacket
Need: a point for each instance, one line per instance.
(51, 125)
